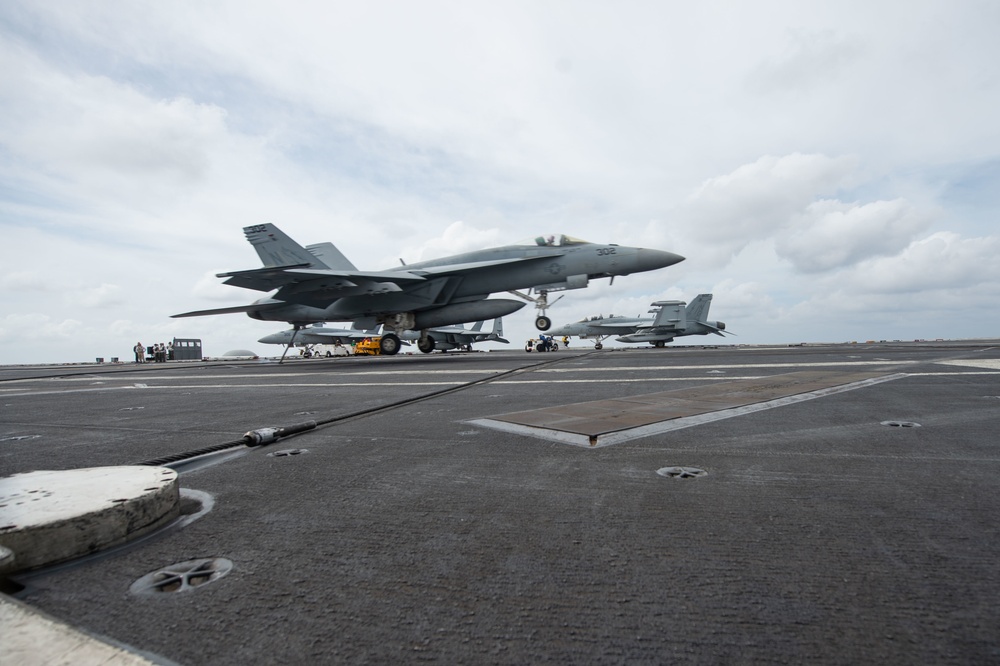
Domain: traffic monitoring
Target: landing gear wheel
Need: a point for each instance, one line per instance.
(389, 344)
(543, 323)
(659, 344)
(426, 345)
(598, 346)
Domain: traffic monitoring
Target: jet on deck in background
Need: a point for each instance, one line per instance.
(672, 320)
(441, 338)
(318, 283)
(457, 337)
(316, 335)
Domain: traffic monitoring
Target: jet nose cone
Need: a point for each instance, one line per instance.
(650, 260)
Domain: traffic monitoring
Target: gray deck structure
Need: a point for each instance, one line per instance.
(861, 525)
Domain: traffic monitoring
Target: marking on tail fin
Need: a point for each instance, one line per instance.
(330, 256)
(697, 310)
(276, 248)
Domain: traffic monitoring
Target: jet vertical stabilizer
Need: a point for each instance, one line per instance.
(275, 248)
(697, 309)
(331, 256)
(672, 314)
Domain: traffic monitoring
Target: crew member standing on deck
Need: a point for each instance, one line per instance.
(140, 352)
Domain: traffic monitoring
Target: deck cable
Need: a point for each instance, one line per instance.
(265, 436)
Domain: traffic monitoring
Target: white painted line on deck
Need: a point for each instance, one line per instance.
(16, 392)
(987, 363)
(661, 427)
(208, 375)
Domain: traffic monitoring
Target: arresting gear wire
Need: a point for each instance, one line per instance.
(265, 436)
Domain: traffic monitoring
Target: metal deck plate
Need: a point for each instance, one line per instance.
(598, 418)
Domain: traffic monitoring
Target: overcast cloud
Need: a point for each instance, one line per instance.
(830, 169)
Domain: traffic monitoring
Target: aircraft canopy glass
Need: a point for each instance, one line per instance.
(553, 240)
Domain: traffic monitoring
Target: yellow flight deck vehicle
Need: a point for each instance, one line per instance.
(368, 347)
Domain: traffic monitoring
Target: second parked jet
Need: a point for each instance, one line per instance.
(673, 319)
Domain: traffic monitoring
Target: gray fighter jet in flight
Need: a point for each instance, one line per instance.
(317, 283)
(672, 319)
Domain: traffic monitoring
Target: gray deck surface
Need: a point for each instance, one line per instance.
(411, 534)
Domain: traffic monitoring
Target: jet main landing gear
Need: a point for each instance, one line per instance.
(389, 344)
(542, 322)
(426, 344)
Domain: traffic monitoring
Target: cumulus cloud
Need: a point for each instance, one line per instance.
(761, 197)
(36, 328)
(942, 261)
(831, 234)
(102, 296)
(75, 123)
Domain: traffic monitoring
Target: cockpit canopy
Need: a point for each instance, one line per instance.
(553, 240)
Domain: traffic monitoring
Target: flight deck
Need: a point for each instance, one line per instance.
(817, 504)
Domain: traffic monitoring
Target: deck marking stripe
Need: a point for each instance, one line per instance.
(12, 392)
(484, 371)
(660, 427)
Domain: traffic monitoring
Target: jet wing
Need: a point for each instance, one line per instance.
(458, 269)
(313, 286)
(234, 309)
(267, 279)
(626, 323)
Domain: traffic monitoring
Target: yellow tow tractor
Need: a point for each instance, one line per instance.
(368, 347)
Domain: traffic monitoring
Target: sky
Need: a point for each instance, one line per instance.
(830, 169)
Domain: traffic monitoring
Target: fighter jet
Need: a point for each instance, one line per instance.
(443, 338)
(316, 335)
(318, 283)
(672, 320)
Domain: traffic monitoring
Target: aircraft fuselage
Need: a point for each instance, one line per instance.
(460, 298)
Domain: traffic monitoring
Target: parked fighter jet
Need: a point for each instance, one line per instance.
(316, 335)
(318, 283)
(442, 338)
(445, 338)
(672, 320)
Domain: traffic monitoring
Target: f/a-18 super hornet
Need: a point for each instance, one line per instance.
(316, 335)
(445, 338)
(442, 338)
(317, 283)
(672, 319)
